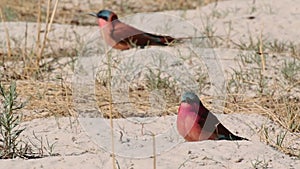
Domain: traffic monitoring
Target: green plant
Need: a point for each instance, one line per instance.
(266, 134)
(209, 31)
(218, 13)
(280, 138)
(250, 44)
(278, 141)
(10, 123)
(253, 77)
(41, 148)
(10, 14)
(202, 79)
(294, 49)
(277, 46)
(155, 80)
(242, 80)
(158, 78)
(257, 163)
(253, 7)
(290, 70)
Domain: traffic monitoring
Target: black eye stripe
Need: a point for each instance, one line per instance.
(103, 17)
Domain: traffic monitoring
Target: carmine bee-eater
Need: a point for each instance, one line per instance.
(195, 122)
(122, 36)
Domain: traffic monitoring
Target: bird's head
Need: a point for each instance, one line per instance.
(105, 16)
(190, 98)
(191, 101)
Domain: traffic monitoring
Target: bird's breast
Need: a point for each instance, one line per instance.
(187, 125)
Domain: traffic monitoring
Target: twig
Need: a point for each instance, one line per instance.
(6, 34)
(263, 62)
(48, 28)
(38, 30)
(154, 151)
(110, 104)
(24, 50)
(52, 15)
(45, 36)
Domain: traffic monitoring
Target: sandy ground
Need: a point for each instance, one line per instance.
(86, 142)
(75, 149)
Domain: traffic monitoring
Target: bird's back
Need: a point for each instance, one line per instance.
(123, 33)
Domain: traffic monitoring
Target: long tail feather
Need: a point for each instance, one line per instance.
(230, 137)
(224, 134)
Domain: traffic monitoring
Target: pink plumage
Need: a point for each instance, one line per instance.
(195, 122)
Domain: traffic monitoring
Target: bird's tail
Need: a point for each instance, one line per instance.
(224, 134)
(196, 37)
(230, 137)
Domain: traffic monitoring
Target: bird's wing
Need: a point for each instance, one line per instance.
(122, 32)
(152, 39)
(208, 122)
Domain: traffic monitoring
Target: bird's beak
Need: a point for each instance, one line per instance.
(93, 14)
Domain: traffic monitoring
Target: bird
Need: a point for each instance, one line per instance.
(123, 36)
(196, 123)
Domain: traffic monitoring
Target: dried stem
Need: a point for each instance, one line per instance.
(6, 34)
(154, 151)
(48, 28)
(108, 57)
(263, 62)
(38, 39)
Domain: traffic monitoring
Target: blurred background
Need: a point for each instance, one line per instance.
(74, 11)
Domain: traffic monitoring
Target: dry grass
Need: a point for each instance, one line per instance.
(139, 99)
(46, 99)
(75, 13)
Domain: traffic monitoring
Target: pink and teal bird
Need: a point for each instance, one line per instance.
(122, 36)
(195, 122)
